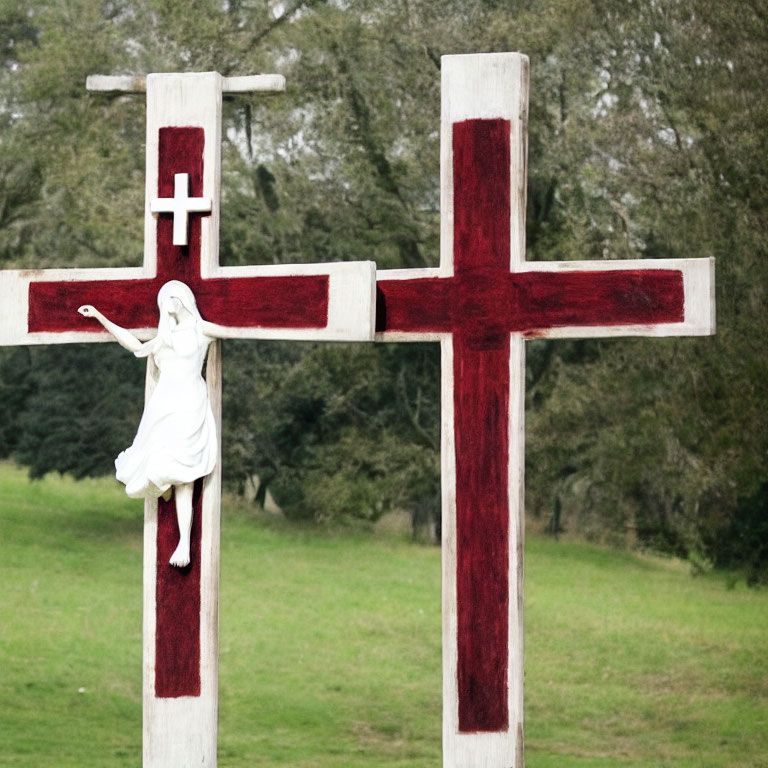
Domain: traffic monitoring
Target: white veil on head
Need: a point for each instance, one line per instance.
(173, 289)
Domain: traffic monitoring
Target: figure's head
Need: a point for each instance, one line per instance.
(174, 295)
(172, 299)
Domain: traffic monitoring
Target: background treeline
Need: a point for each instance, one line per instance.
(647, 139)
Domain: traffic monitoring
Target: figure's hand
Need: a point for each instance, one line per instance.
(87, 310)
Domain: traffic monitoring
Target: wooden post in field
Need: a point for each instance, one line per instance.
(481, 303)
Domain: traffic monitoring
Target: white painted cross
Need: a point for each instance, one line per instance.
(481, 303)
(333, 302)
(180, 205)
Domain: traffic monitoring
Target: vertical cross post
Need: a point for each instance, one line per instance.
(180, 649)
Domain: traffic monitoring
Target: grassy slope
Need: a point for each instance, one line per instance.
(330, 647)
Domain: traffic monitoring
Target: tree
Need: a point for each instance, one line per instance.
(645, 140)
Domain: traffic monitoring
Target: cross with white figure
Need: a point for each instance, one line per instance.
(333, 302)
(180, 205)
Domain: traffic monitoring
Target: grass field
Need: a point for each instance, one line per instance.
(330, 646)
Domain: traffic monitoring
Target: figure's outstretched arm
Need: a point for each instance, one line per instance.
(123, 337)
(216, 331)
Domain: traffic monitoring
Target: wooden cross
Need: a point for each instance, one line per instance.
(313, 302)
(481, 304)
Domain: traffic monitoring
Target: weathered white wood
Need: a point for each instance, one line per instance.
(253, 83)
(351, 310)
(351, 300)
(14, 303)
(138, 83)
(116, 83)
(183, 731)
(483, 750)
(698, 284)
(449, 559)
(485, 86)
(516, 471)
(186, 99)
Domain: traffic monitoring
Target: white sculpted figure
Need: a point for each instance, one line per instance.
(176, 442)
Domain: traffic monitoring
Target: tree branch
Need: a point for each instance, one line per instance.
(278, 22)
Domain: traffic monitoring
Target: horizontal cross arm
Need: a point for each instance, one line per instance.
(249, 83)
(138, 83)
(116, 83)
(310, 302)
(555, 299)
(698, 289)
(351, 300)
(14, 303)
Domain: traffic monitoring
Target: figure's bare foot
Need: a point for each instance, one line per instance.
(180, 557)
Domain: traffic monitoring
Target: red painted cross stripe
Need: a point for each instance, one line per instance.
(244, 302)
(177, 605)
(481, 304)
(481, 412)
(529, 302)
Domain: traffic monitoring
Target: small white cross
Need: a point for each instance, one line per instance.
(180, 205)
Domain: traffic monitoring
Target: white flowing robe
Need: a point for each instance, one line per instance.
(176, 441)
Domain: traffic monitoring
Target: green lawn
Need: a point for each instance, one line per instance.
(330, 646)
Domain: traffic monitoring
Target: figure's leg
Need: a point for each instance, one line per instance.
(183, 494)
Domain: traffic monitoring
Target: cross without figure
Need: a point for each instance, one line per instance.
(481, 303)
(309, 301)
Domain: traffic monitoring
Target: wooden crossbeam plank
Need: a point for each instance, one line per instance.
(138, 84)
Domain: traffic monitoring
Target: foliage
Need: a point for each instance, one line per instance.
(668, 436)
(69, 409)
(328, 447)
(646, 140)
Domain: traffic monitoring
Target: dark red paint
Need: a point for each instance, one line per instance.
(481, 305)
(481, 412)
(530, 302)
(481, 408)
(481, 196)
(267, 302)
(177, 595)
